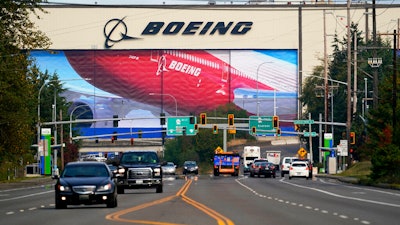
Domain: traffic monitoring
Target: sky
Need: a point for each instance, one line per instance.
(194, 2)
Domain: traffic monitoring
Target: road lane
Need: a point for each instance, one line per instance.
(223, 200)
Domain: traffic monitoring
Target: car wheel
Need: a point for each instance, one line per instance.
(290, 177)
(273, 175)
(60, 205)
(159, 189)
(282, 174)
(306, 177)
(120, 190)
(112, 203)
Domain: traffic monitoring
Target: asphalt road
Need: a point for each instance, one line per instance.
(223, 200)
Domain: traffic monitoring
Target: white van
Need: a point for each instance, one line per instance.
(250, 153)
(285, 165)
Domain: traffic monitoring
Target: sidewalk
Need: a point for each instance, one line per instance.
(26, 182)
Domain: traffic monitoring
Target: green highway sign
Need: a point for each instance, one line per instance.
(261, 124)
(308, 134)
(176, 126)
(303, 122)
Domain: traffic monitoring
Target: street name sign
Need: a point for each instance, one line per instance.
(303, 122)
(263, 124)
(176, 126)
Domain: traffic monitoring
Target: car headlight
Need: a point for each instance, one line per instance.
(104, 187)
(121, 170)
(63, 188)
(157, 171)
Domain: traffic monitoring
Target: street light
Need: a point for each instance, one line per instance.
(176, 103)
(38, 104)
(258, 102)
(70, 121)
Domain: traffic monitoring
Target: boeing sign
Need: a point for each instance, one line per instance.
(115, 30)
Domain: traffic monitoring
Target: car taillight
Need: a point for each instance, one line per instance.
(290, 168)
(307, 168)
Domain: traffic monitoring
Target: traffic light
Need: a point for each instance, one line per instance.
(352, 138)
(132, 141)
(140, 135)
(296, 127)
(231, 119)
(196, 127)
(115, 122)
(278, 132)
(275, 121)
(191, 120)
(52, 141)
(215, 129)
(184, 131)
(203, 118)
(162, 118)
(112, 139)
(253, 129)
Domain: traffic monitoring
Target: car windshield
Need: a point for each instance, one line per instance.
(85, 171)
(190, 164)
(139, 158)
(299, 165)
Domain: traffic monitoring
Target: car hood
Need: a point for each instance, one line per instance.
(140, 165)
(75, 181)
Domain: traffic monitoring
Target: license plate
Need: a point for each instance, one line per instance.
(139, 181)
(83, 197)
(298, 173)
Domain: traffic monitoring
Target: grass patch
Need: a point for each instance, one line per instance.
(359, 170)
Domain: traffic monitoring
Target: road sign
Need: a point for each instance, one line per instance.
(176, 126)
(308, 134)
(302, 152)
(342, 148)
(303, 122)
(262, 124)
(218, 150)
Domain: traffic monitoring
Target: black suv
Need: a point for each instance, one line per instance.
(139, 169)
(190, 167)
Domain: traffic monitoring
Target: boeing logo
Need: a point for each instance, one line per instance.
(115, 30)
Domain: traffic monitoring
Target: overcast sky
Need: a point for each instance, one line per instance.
(191, 2)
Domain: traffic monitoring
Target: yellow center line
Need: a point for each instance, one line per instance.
(221, 220)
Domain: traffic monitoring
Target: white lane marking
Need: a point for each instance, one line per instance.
(342, 196)
(301, 205)
(26, 196)
(363, 188)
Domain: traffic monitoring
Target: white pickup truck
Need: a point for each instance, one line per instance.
(274, 157)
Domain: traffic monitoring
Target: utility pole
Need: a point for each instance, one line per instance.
(348, 122)
(375, 72)
(300, 109)
(394, 91)
(326, 87)
(355, 76)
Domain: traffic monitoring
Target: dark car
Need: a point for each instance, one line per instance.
(266, 169)
(139, 169)
(86, 182)
(190, 167)
(253, 165)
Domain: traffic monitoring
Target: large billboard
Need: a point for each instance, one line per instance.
(143, 83)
